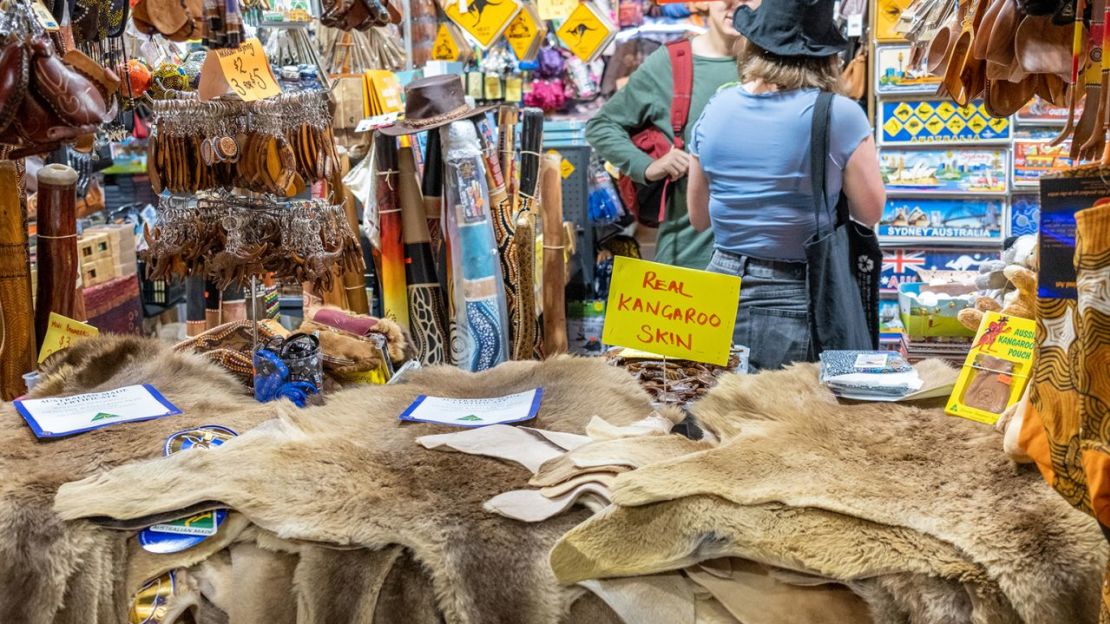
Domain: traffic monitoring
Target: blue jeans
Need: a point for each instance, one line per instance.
(772, 316)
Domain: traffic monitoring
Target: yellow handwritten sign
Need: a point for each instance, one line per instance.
(672, 311)
(586, 32)
(482, 19)
(556, 9)
(247, 71)
(61, 332)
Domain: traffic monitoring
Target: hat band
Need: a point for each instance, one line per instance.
(431, 121)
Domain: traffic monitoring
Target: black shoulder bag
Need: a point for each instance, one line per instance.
(843, 260)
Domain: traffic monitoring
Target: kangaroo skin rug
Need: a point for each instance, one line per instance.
(51, 571)
(349, 475)
(920, 513)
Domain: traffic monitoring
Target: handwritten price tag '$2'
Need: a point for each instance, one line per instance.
(247, 71)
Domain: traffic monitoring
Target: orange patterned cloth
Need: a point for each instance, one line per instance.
(1066, 429)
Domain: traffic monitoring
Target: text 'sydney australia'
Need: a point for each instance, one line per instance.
(671, 311)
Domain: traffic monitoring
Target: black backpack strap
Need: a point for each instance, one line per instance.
(818, 157)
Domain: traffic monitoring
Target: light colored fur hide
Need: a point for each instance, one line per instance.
(348, 473)
(954, 531)
(54, 572)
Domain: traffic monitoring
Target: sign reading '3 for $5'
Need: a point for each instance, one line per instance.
(939, 121)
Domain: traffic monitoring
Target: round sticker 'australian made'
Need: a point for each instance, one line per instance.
(184, 533)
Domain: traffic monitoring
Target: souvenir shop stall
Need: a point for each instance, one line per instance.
(297, 299)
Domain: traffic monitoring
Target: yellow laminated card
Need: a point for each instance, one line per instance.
(483, 20)
(996, 370)
(384, 92)
(672, 311)
(61, 332)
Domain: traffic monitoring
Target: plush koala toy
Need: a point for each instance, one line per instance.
(1010, 284)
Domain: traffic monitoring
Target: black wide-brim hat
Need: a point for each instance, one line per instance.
(431, 103)
(791, 27)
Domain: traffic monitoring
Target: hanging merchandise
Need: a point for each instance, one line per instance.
(587, 32)
(427, 307)
(176, 20)
(275, 146)
(47, 98)
(482, 19)
(480, 312)
(353, 52)
(232, 238)
(450, 44)
(526, 33)
(358, 14)
(604, 203)
(392, 250)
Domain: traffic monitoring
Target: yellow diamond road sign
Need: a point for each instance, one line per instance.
(977, 124)
(934, 125)
(485, 21)
(903, 111)
(923, 110)
(945, 110)
(914, 126)
(955, 125)
(892, 126)
(584, 33)
(998, 124)
(966, 111)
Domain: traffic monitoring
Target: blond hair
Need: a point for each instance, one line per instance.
(788, 72)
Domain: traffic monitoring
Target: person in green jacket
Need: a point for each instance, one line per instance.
(647, 99)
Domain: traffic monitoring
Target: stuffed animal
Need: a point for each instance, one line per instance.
(1010, 284)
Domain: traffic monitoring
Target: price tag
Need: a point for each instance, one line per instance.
(44, 17)
(855, 25)
(61, 332)
(247, 71)
(556, 9)
(379, 121)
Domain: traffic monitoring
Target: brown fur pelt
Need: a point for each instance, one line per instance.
(52, 571)
(349, 474)
(920, 513)
(344, 354)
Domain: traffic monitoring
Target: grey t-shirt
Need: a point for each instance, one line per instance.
(754, 149)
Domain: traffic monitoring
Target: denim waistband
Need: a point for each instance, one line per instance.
(742, 265)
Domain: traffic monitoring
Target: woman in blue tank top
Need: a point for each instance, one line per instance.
(750, 178)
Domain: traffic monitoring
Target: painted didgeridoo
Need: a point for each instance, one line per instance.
(554, 260)
(392, 276)
(480, 317)
(527, 205)
(426, 302)
(503, 214)
(57, 246)
(17, 333)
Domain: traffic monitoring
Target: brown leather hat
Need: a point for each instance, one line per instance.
(431, 103)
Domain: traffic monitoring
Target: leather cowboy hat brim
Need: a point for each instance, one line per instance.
(403, 127)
